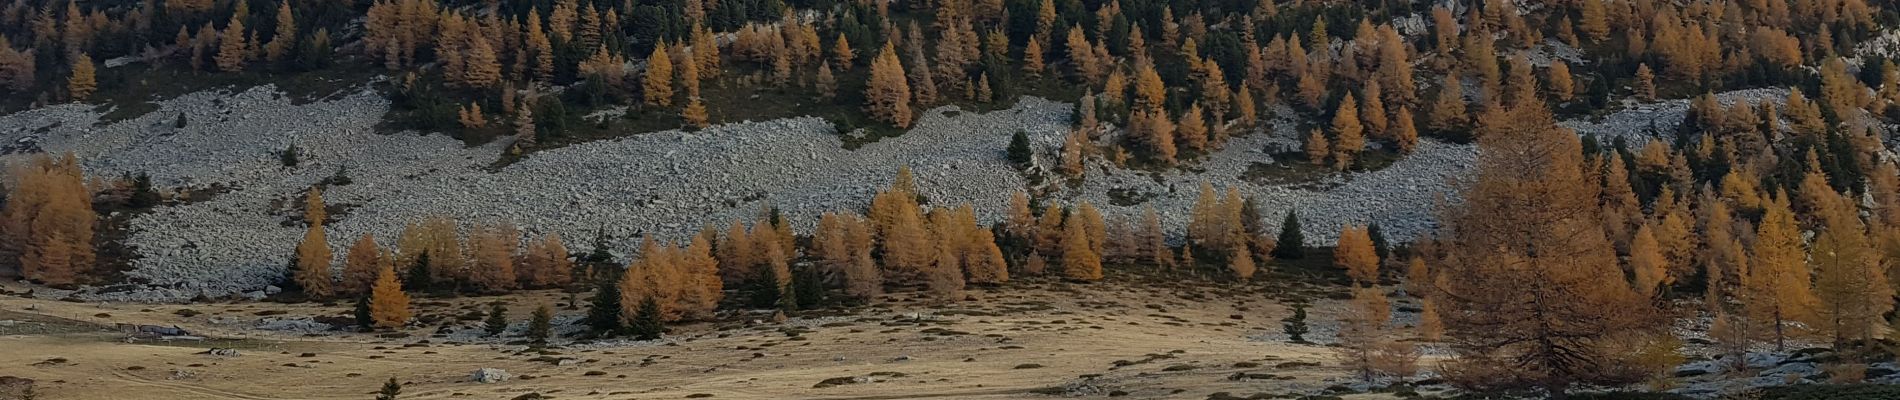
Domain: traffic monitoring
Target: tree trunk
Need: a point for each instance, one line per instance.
(1781, 339)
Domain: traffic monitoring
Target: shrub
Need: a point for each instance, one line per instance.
(1295, 325)
(290, 157)
(390, 390)
(1845, 373)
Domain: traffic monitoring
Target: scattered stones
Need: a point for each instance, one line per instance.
(222, 352)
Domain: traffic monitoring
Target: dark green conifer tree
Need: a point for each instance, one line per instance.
(1291, 244)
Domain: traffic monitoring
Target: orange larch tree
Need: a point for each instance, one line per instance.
(82, 82)
(313, 254)
(1780, 291)
(657, 88)
(1356, 255)
(388, 304)
(1079, 260)
(1535, 295)
(886, 93)
(232, 47)
(360, 266)
(48, 220)
(492, 249)
(1348, 134)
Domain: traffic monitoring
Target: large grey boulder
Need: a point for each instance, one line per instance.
(489, 375)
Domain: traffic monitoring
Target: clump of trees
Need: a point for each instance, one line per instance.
(47, 222)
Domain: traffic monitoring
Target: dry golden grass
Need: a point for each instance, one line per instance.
(1172, 341)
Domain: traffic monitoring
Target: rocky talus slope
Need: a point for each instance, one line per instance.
(662, 184)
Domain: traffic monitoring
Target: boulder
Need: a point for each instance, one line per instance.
(16, 388)
(489, 375)
(1796, 369)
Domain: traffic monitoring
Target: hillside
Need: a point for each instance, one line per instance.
(868, 199)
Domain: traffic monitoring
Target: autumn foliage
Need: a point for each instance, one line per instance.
(1525, 257)
(48, 220)
(314, 274)
(389, 305)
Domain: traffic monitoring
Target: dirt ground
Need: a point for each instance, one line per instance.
(1128, 337)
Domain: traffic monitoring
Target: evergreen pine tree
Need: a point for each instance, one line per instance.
(1379, 245)
(497, 321)
(364, 319)
(646, 321)
(390, 390)
(1019, 148)
(808, 287)
(418, 278)
(762, 289)
(603, 312)
(1291, 244)
(1295, 325)
(541, 327)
